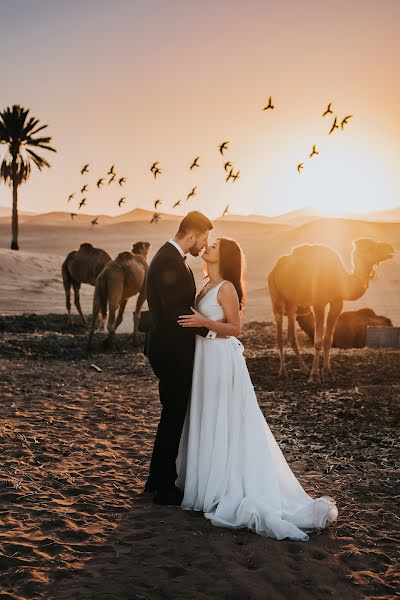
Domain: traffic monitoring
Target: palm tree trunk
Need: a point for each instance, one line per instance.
(14, 217)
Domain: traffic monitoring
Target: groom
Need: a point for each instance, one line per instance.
(170, 348)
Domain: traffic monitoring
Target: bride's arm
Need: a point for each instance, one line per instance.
(229, 301)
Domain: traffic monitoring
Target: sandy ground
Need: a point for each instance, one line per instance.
(75, 450)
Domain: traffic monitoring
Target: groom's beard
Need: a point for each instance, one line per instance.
(195, 250)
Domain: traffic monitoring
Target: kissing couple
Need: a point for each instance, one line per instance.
(214, 451)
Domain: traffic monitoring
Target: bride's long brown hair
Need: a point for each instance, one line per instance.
(231, 266)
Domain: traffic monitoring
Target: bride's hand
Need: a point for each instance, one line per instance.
(194, 320)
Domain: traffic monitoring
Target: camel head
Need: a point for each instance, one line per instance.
(141, 248)
(367, 254)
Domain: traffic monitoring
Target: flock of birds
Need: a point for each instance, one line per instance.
(230, 174)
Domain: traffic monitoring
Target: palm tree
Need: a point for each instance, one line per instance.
(17, 131)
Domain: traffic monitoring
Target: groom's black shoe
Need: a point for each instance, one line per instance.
(171, 496)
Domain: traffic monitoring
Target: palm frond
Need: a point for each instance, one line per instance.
(38, 160)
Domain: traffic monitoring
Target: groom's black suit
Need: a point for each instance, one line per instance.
(171, 291)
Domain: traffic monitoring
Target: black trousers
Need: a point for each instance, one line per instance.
(175, 380)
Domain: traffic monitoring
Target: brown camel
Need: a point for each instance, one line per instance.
(314, 275)
(351, 326)
(81, 266)
(118, 281)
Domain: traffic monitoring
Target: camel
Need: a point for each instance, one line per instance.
(81, 266)
(351, 326)
(118, 281)
(314, 275)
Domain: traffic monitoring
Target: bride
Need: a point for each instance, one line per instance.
(229, 463)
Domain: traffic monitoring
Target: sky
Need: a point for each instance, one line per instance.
(133, 82)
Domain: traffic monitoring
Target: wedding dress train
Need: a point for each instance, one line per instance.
(229, 463)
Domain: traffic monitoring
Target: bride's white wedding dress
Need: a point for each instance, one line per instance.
(229, 463)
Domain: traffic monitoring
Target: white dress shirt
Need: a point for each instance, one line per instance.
(211, 335)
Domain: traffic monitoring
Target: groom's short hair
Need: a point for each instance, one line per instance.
(194, 221)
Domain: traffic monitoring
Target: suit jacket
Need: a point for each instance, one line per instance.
(171, 291)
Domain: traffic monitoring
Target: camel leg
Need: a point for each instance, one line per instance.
(120, 313)
(291, 313)
(319, 314)
(95, 312)
(334, 311)
(77, 287)
(278, 312)
(67, 288)
(137, 337)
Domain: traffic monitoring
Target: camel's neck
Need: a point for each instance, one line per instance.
(358, 281)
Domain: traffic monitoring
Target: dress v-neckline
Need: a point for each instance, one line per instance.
(198, 300)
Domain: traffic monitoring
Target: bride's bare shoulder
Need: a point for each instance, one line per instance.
(227, 291)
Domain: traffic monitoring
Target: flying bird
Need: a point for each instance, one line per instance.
(70, 197)
(112, 170)
(226, 210)
(85, 169)
(157, 203)
(236, 175)
(95, 221)
(121, 201)
(155, 218)
(269, 105)
(112, 178)
(154, 166)
(299, 167)
(345, 120)
(313, 151)
(156, 172)
(195, 163)
(334, 126)
(223, 146)
(84, 189)
(177, 203)
(227, 165)
(229, 176)
(100, 182)
(121, 181)
(328, 110)
(72, 215)
(82, 202)
(192, 193)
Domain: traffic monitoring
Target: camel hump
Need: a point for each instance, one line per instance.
(124, 257)
(366, 312)
(86, 246)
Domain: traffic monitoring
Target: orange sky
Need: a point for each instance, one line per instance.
(134, 82)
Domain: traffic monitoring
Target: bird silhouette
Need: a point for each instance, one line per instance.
(100, 182)
(195, 163)
(121, 201)
(345, 121)
(85, 169)
(72, 216)
(226, 210)
(82, 202)
(299, 167)
(269, 105)
(95, 221)
(121, 181)
(112, 170)
(334, 126)
(155, 218)
(192, 193)
(328, 110)
(177, 203)
(230, 175)
(236, 175)
(70, 197)
(156, 172)
(223, 146)
(84, 189)
(112, 178)
(154, 166)
(313, 151)
(227, 165)
(157, 203)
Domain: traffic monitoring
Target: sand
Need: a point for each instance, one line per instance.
(76, 444)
